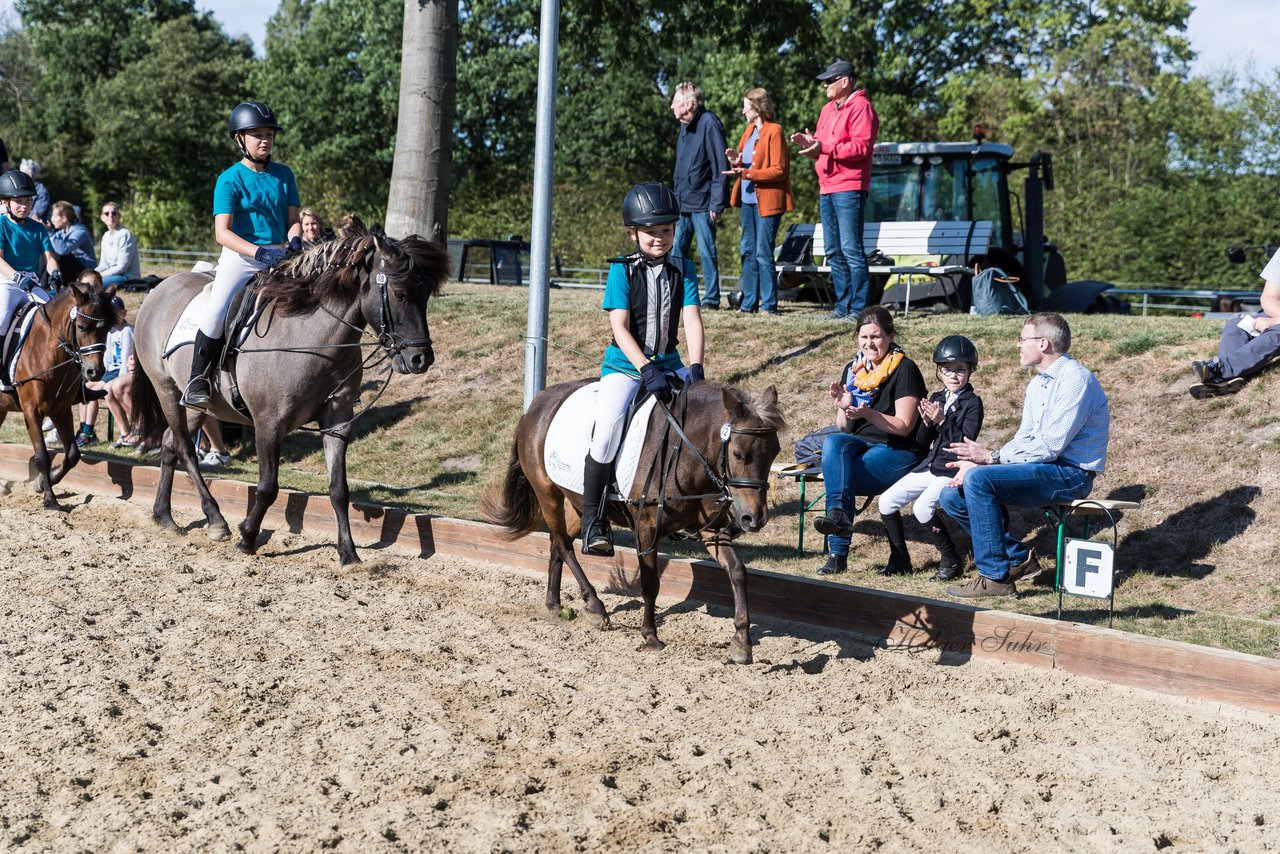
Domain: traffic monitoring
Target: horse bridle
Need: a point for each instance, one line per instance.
(391, 340)
(73, 349)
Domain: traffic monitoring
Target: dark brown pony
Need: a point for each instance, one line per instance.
(715, 478)
(64, 346)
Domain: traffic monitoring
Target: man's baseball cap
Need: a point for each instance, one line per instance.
(839, 68)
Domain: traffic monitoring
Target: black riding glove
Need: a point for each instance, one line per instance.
(295, 245)
(656, 382)
(270, 255)
(55, 279)
(694, 375)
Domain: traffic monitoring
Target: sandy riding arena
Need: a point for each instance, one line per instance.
(168, 693)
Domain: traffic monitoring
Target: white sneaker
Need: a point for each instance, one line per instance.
(51, 437)
(214, 460)
(47, 424)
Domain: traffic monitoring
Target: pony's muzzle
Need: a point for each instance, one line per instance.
(90, 372)
(752, 521)
(415, 361)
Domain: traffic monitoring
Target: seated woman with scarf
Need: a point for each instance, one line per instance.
(877, 401)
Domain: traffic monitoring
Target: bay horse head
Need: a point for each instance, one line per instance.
(80, 317)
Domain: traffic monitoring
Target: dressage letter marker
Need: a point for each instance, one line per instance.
(1088, 568)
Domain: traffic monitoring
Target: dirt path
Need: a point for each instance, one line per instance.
(172, 694)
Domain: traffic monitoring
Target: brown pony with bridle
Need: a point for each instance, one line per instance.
(64, 348)
(707, 457)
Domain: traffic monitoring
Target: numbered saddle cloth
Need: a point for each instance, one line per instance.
(569, 437)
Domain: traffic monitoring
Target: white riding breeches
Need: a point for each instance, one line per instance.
(612, 400)
(233, 271)
(11, 296)
(922, 487)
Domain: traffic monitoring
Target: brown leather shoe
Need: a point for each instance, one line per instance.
(981, 587)
(1028, 569)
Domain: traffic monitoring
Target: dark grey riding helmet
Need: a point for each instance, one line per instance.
(955, 348)
(251, 115)
(650, 204)
(16, 185)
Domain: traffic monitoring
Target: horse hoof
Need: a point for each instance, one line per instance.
(353, 560)
(246, 547)
(739, 655)
(166, 523)
(218, 533)
(651, 645)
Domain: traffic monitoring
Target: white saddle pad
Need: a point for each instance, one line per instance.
(569, 437)
(22, 342)
(184, 331)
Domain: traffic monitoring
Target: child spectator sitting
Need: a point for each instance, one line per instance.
(116, 383)
(951, 415)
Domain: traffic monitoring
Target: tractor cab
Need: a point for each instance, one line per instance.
(969, 181)
(919, 181)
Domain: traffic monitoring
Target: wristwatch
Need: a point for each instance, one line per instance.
(995, 457)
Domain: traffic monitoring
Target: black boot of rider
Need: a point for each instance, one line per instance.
(596, 536)
(204, 358)
(949, 566)
(899, 558)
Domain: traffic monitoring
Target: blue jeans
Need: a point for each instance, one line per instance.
(700, 223)
(853, 466)
(117, 279)
(976, 506)
(842, 243)
(759, 279)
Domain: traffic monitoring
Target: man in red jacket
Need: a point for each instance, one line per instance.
(840, 148)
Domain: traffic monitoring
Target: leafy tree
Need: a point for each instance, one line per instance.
(331, 72)
(80, 43)
(159, 125)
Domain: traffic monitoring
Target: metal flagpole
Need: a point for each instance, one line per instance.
(535, 342)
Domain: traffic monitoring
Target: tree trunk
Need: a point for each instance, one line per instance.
(419, 199)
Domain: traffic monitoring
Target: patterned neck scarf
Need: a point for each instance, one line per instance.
(868, 376)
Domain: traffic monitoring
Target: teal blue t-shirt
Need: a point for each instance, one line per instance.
(23, 243)
(617, 294)
(258, 202)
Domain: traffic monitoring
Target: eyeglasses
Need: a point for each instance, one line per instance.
(1022, 340)
(111, 213)
(953, 372)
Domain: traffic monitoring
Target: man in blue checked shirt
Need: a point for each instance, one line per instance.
(1060, 447)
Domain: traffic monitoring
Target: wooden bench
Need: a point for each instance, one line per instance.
(917, 241)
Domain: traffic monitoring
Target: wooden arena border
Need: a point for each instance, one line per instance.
(890, 620)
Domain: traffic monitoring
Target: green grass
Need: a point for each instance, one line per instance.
(1197, 559)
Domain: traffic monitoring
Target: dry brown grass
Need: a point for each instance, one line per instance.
(1197, 560)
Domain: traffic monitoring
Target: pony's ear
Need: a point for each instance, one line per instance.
(80, 289)
(769, 399)
(733, 404)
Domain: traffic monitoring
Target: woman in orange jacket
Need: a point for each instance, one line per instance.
(763, 191)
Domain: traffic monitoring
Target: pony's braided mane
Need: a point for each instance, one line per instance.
(332, 272)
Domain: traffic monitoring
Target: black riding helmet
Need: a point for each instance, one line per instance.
(650, 204)
(956, 348)
(252, 115)
(16, 185)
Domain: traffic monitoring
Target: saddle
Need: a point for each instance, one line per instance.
(242, 314)
(14, 337)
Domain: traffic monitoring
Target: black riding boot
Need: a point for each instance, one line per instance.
(949, 566)
(596, 537)
(899, 557)
(204, 358)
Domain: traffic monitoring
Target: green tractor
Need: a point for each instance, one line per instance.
(974, 181)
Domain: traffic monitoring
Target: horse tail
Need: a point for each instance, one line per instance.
(515, 508)
(147, 411)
